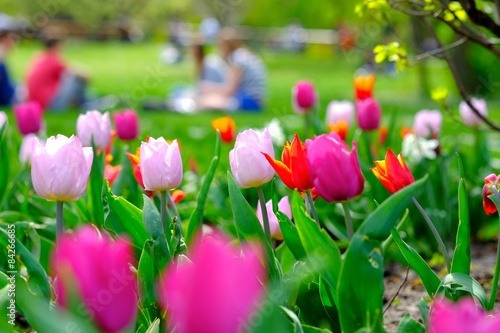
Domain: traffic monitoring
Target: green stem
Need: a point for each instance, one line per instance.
(368, 146)
(265, 217)
(165, 214)
(496, 274)
(438, 238)
(348, 220)
(59, 218)
(311, 206)
(174, 207)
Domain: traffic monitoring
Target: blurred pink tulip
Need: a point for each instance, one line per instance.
(216, 292)
(127, 124)
(468, 116)
(461, 317)
(98, 270)
(248, 165)
(161, 164)
(335, 170)
(369, 114)
(95, 126)
(340, 110)
(29, 117)
(284, 207)
(60, 169)
(427, 123)
(303, 97)
(27, 147)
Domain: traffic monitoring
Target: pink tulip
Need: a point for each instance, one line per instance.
(98, 270)
(127, 124)
(340, 110)
(60, 169)
(427, 123)
(94, 126)
(468, 116)
(335, 170)
(27, 147)
(303, 97)
(161, 164)
(461, 317)
(369, 113)
(216, 292)
(29, 117)
(274, 225)
(249, 166)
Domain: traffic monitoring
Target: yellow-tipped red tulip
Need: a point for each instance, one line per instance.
(393, 172)
(226, 127)
(293, 169)
(363, 86)
(341, 127)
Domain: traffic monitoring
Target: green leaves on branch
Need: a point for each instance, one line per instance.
(392, 52)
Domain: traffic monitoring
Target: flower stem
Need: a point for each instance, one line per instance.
(496, 274)
(438, 238)
(59, 218)
(265, 217)
(174, 208)
(165, 214)
(311, 206)
(348, 220)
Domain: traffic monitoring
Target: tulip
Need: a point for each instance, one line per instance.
(248, 165)
(490, 181)
(29, 117)
(226, 127)
(341, 128)
(461, 317)
(363, 86)
(340, 110)
(468, 116)
(284, 207)
(382, 135)
(393, 172)
(98, 270)
(303, 97)
(3, 119)
(160, 164)
(111, 172)
(293, 169)
(428, 123)
(335, 170)
(368, 113)
(214, 293)
(27, 147)
(60, 169)
(94, 127)
(127, 124)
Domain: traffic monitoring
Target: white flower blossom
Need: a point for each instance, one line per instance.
(415, 148)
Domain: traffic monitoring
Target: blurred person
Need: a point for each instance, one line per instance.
(8, 40)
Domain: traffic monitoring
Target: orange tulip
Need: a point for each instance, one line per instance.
(363, 86)
(111, 172)
(341, 128)
(226, 127)
(293, 169)
(393, 172)
(382, 135)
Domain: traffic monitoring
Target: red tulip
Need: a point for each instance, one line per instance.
(111, 172)
(488, 205)
(303, 96)
(127, 124)
(29, 117)
(363, 86)
(226, 127)
(393, 172)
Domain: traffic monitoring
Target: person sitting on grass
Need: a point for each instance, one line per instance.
(7, 88)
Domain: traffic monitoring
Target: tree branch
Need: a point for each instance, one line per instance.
(480, 18)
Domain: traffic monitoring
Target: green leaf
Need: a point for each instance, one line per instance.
(294, 318)
(196, 218)
(248, 226)
(4, 157)
(429, 278)
(461, 255)
(410, 325)
(154, 226)
(454, 282)
(424, 310)
(95, 189)
(291, 236)
(328, 300)
(155, 327)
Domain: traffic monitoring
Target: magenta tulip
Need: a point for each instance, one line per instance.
(127, 124)
(468, 116)
(340, 110)
(369, 113)
(29, 117)
(335, 170)
(427, 123)
(161, 165)
(60, 169)
(95, 127)
(97, 269)
(26, 149)
(216, 292)
(284, 207)
(303, 97)
(249, 166)
(461, 317)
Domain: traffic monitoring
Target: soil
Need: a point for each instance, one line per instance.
(412, 290)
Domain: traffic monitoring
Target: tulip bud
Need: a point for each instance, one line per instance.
(490, 181)
(29, 117)
(160, 164)
(369, 113)
(127, 124)
(335, 170)
(428, 123)
(248, 165)
(274, 225)
(303, 97)
(98, 271)
(340, 110)
(468, 116)
(60, 170)
(95, 127)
